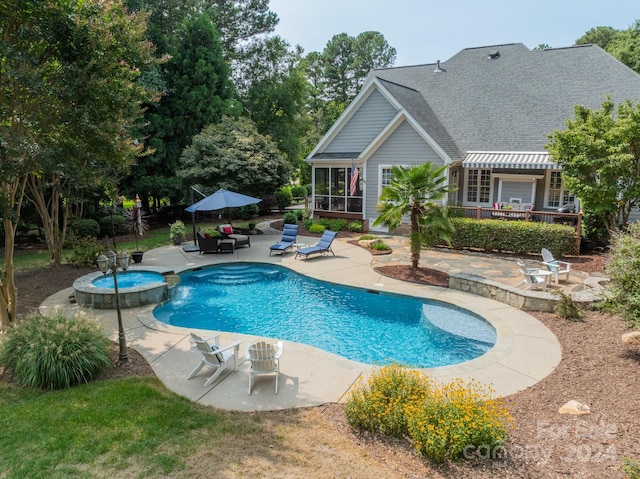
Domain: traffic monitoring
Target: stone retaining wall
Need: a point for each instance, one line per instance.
(525, 300)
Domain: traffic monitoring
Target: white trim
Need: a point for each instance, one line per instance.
(465, 202)
(563, 191)
(516, 177)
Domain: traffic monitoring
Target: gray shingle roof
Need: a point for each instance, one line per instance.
(510, 103)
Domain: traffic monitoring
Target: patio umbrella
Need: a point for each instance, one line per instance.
(219, 200)
(222, 199)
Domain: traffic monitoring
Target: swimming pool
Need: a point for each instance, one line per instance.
(365, 326)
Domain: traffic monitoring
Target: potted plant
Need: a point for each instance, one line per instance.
(137, 224)
(177, 231)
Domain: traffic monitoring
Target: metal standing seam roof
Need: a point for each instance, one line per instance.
(520, 160)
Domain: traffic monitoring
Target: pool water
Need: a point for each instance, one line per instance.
(360, 325)
(130, 279)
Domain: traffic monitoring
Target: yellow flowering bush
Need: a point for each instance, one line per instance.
(443, 421)
(378, 404)
(457, 419)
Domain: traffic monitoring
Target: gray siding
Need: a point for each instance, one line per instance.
(403, 147)
(372, 116)
(516, 189)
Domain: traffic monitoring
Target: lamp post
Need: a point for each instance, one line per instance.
(111, 263)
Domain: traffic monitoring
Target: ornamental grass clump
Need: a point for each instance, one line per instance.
(378, 404)
(54, 352)
(458, 419)
(444, 422)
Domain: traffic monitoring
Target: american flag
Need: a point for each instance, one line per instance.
(354, 179)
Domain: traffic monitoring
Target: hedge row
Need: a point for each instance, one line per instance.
(519, 237)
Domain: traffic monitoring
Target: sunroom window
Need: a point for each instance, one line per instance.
(333, 190)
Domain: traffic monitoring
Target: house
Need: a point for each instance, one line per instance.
(486, 114)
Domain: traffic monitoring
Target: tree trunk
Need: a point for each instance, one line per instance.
(12, 195)
(9, 296)
(53, 215)
(415, 236)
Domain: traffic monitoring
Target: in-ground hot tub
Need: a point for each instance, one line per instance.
(138, 286)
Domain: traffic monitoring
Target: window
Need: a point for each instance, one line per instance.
(479, 186)
(332, 192)
(557, 195)
(386, 177)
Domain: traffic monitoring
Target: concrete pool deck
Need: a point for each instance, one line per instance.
(525, 352)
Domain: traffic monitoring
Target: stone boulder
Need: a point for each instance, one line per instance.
(574, 407)
(631, 338)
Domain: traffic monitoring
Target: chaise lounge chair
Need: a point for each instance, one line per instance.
(228, 232)
(264, 359)
(555, 266)
(214, 356)
(534, 278)
(289, 235)
(323, 246)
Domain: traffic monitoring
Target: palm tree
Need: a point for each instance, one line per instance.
(417, 191)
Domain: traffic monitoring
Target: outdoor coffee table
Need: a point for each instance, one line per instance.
(227, 245)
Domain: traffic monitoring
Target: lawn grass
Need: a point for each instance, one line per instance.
(39, 258)
(131, 426)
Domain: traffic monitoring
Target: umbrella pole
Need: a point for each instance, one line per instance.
(193, 220)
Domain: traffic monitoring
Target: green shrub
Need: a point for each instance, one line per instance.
(284, 198)
(119, 226)
(623, 268)
(355, 226)
(84, 251)
(307, 222)
(298, 191)
(567, 308)
(380, 246)
(443, 421)
(378, 404)
(368, 237)
(85, 228)
(300, 214)
(333, 224)
(631, 468)
(519, 237)
(316, 228)
(54, 352)
(247, 212)
(291, 218)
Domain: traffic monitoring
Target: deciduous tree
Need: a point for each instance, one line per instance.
(69, 97)
(599, 152)
(232, 154)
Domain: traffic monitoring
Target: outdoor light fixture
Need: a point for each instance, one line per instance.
(111, 263)
(138, 202)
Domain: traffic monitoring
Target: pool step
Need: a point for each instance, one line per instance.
(230, 276)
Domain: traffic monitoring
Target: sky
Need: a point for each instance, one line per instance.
(424, 31)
